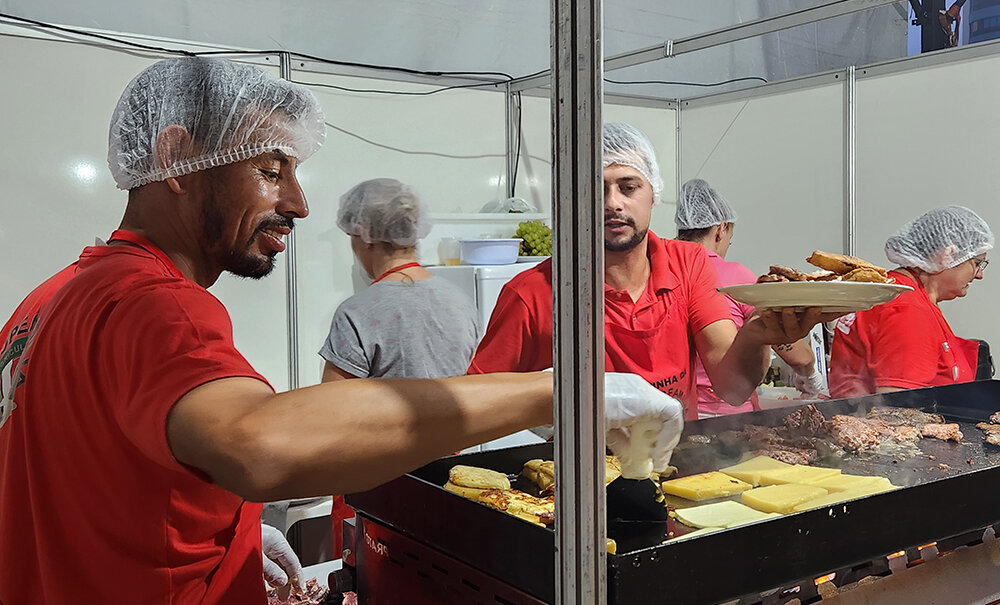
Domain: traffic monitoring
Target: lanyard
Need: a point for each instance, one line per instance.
(394, 270)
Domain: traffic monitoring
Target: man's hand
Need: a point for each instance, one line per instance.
(631, 403)
(280, 562)
(784, 326)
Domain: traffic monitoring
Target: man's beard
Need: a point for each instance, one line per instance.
(243, 263)
(628, 244)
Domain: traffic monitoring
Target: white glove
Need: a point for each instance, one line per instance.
(644, 424)
(810, 385)
(280, 562)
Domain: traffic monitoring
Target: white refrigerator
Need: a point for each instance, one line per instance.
(483, 284)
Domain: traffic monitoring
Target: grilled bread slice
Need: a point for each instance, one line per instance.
(841, 263)
(866, 274)
(481, 478)
(472, 493)
(542, 473)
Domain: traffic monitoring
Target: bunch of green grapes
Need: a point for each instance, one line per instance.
(537, 238)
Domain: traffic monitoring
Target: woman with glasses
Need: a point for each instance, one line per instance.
(906, 343)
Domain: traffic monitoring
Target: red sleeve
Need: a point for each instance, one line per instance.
(515, 338)
(707, 305)
(904, 352)
(165, 342)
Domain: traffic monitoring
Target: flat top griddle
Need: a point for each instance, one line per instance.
(935, 502)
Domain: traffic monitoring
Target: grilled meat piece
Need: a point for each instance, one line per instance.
(995, 418)
(314, 594)
(904, 416)
(789, 273)
(788, 455)
(855, 434)
(771, 277)
(761, 437)
(906, 433)
(992, 431)
(944, 432)
(807, 421)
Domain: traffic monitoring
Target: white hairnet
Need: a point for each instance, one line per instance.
(383, 210)
(940, 239)
(699, 206)
(232, 111)
(626, 146)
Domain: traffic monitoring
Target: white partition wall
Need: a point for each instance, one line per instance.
(929, 137)
(451, 146)
(926, 134)
(779, 161)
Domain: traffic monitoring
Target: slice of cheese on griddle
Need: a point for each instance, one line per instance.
(798, 473)
(781, 498)
(705, 486)
(695, 533)
(843, 483)
(719, 514)
(750, 470)
(844, 496)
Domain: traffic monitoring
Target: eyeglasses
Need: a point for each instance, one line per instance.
(980, 263)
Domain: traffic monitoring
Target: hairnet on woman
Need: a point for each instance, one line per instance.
(907, 343)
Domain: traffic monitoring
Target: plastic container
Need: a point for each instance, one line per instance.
(501, 251)
(779, 397)
(449, 251)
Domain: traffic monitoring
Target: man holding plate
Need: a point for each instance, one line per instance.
(661, 303)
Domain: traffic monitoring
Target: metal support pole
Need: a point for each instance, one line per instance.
(578, 301)
(291, 277)
(678, 141)
(850, 161)
(510, 121)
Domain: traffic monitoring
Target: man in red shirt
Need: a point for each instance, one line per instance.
(134, 437)
(906, 343)
(661, 306)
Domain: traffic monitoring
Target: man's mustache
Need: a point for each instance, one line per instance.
(276, 221)
(620, 218)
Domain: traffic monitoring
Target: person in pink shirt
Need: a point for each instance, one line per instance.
(705, 217)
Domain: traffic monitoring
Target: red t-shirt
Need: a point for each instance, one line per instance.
(16, 330)
(905, 343)
(95, 506)
(652, 337)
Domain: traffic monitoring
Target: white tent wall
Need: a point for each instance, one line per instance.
(449, 146)
(510, 36)
(930, 137)
(780, 159)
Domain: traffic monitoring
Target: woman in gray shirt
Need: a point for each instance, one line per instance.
(409, 323)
